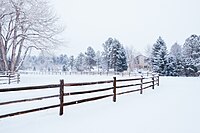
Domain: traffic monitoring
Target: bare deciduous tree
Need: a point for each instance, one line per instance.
(25, 24)
(131, 53)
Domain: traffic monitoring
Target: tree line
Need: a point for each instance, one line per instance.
(179, 61)
(113, 58)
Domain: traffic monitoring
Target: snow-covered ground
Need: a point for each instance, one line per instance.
(173, 107)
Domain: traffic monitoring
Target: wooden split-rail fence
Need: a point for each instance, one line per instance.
(137, 84)
(9, 78)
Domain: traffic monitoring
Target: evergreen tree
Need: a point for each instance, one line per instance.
(171, 66)
(115, 54)
(98, 60)
(90, 58)
(63, 59)
(121, 64)
(118, 57)
(106, 54)
(191, 55)
(80, 62)
(176, 57)
(71, 63)
(64, 68)
(159, 57)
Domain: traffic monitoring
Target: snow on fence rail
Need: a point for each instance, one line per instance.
(9, 78)
(118, 87)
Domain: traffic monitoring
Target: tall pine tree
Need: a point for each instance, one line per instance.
(71, 63)
(121, 64)
(191, 55)
(80, 62)
(106, 54)
(90, 58)
(114, 55)
(159, 57)
(175, 58)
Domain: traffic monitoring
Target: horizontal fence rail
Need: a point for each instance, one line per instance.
(9, 78)
(86, 73)
(114, 88)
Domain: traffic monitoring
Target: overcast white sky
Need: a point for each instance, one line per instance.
(135, 23)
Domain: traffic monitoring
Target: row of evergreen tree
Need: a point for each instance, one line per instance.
(180, 61)
(112, 58)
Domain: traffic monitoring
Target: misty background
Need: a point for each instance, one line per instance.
(135, 23)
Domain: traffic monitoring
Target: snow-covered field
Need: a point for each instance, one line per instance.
(173, 107)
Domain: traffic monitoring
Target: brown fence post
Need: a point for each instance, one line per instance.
(9, 78)
(158, 80)
(153, 82)
(18, 78)
(141, 88)
(61, 96)
(114, 89)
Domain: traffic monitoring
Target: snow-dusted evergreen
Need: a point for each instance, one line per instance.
(118, 57)
(175, 61)
(114, 56)
(171, 66)
(180, 61)
(191, 54)
(106, 54)
(80, 62)
(71, 63)
(159, 57)
(98, 59)
(90, 58)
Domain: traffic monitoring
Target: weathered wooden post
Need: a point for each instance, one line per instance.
(18, 78)
(61, 96)
(114, 89)
(158, 80)
(9, 78)
(153, 82)
(141, 86)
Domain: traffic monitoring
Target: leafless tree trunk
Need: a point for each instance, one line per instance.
(131, 60)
